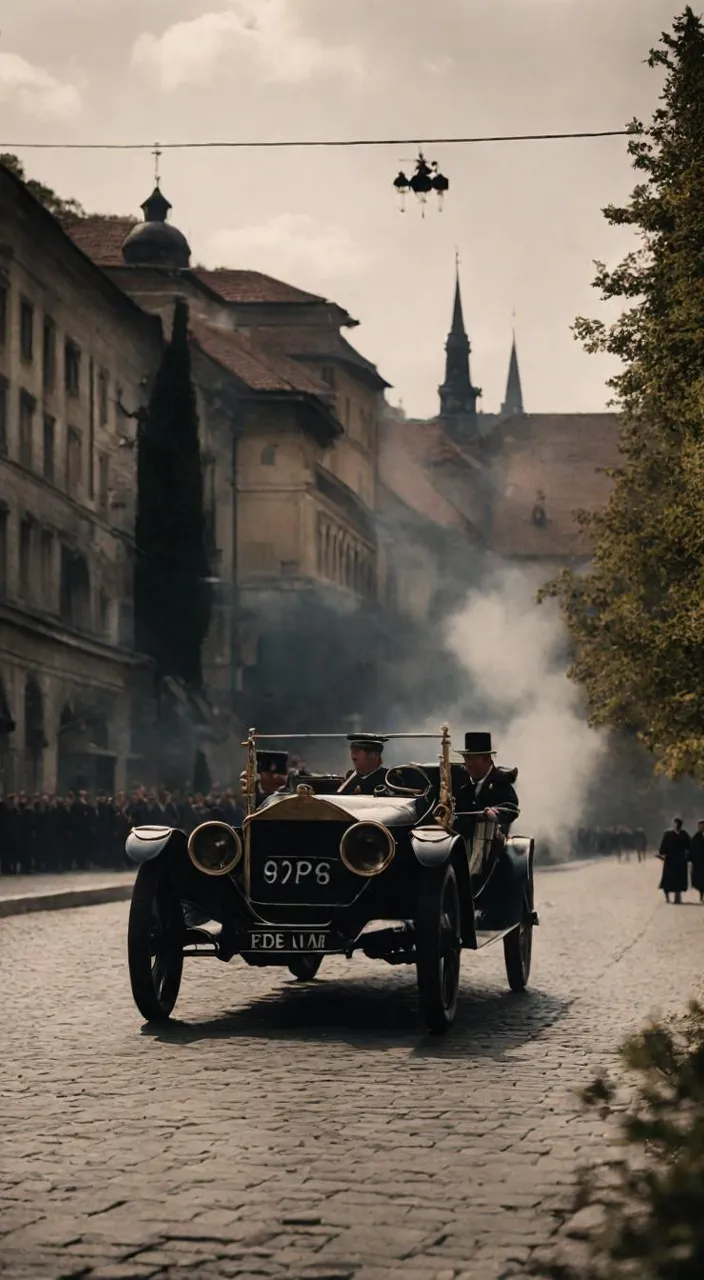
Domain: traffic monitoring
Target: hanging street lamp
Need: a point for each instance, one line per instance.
(426, 179)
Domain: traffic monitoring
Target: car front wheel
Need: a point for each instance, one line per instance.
(305, 968)
(155, 935)
(438, 947)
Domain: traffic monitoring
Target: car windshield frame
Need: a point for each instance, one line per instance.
(254, 738)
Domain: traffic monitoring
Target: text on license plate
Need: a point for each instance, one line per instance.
(295, 871)
(302, 940)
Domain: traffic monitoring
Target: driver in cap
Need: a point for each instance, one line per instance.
(368, 772)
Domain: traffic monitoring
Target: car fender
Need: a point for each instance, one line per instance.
(433, 846)
(144, 844)
(508, 896)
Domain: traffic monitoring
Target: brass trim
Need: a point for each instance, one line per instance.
(306, 807)
(223, 871)
(391, 847)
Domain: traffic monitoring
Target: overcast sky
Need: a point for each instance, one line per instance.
(525, 218)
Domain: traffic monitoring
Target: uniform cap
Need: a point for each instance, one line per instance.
(370, 741)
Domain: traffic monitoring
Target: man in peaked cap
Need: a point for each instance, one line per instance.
(368, 773)
(487, 788)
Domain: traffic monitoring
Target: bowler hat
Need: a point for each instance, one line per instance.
(478, 744)
(369, 741)
(272, 761)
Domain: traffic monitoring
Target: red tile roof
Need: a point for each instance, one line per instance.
(401, 470)
(318, 341)
(258, 369)
(560, 456)
(101, 238)
(252, 286)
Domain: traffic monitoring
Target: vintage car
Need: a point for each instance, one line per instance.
(313, 873)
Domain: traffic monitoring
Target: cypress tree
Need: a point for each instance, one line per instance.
(172, 596)
(637, 617)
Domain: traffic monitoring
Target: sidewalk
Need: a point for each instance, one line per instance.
(21, 894)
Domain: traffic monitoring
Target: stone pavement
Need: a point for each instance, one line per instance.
(288, 1131)
(22, 894)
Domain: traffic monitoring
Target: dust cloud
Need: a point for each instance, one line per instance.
(514, 654)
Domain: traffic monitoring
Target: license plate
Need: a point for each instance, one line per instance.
(285, 940)
(295, 879)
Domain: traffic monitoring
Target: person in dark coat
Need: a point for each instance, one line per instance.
(674, 851)
(488, 790)
(696, 857)
(368, 772)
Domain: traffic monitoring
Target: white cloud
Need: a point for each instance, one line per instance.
(262, 39)
(34, 92)
(290, 245)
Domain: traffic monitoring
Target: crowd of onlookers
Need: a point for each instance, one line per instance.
(77, 832)
(589, 842)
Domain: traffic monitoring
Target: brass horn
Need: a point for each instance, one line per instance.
(214, 848)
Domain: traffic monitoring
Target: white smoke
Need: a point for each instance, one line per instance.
(514, 651)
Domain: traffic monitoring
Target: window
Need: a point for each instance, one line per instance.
(48, 462)
(103, 397)
(72, 367)
(75, 589)
(104, 613)
(27, 405)
(49, 353)
(3, 551)
(25, 555)
(268, 458)
(4, 295)
(103, 481)
(328, 375)
(3, 415)
(74, 461)
(26, 330)
(47, 568)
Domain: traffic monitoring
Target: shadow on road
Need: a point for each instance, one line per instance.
(370, 1015)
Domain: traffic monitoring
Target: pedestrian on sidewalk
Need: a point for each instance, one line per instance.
(696, 857)
(674, 852)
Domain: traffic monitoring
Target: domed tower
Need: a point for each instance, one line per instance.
(155, 242)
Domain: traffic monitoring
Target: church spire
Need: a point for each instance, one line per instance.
(458, 397)
(513, 404)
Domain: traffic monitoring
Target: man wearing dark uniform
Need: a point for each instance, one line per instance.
(487, 790)
(368, 773)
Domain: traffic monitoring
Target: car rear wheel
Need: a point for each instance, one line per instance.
(155, 936)
(518, 950)
(305, 968)
(438, 947)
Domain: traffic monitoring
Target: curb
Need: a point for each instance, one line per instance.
(95, 897)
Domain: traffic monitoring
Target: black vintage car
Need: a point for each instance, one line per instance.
(313, 873)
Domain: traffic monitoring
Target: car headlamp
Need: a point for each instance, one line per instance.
(214, 848)
(367, 848)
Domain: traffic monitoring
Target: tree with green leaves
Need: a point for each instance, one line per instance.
(45, 195)
(172, 594)
(637, 617)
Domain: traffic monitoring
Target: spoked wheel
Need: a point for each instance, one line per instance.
(518, 949)
(155, 943)
(305, 968)
(438, 947)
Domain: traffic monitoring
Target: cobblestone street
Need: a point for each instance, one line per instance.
(287, 1131)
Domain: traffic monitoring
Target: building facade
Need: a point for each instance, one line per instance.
(297, 482)
(73, 352)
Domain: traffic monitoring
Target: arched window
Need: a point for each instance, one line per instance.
(268, 455)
